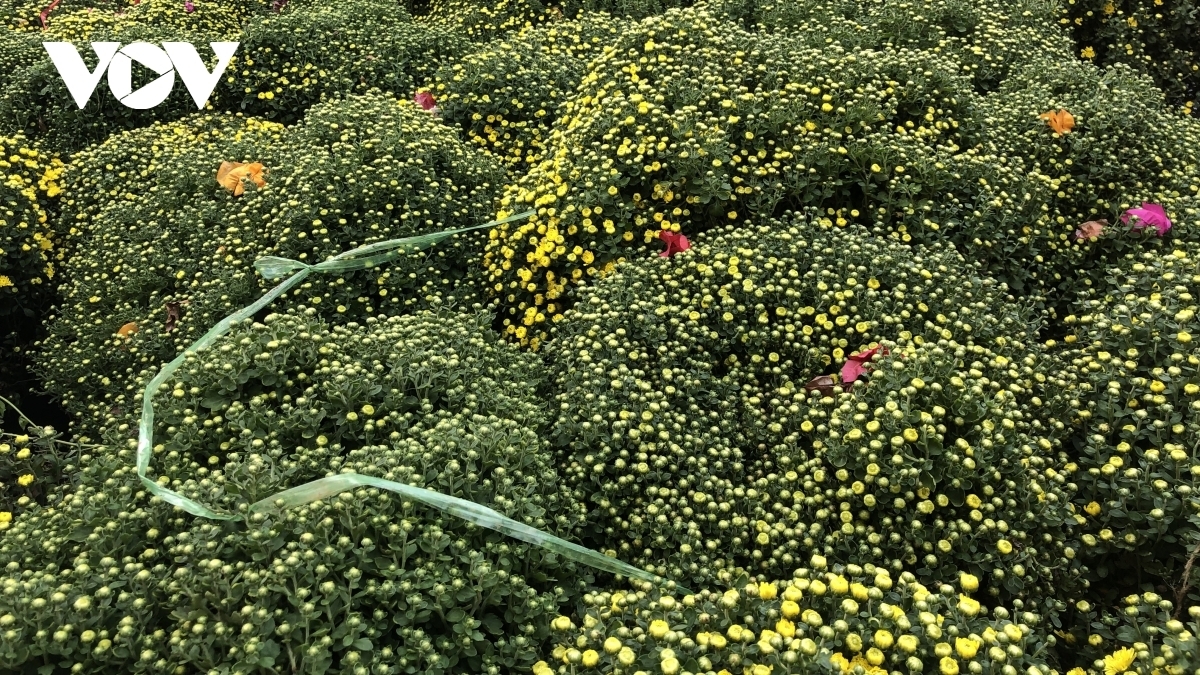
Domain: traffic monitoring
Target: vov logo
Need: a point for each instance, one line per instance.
(171, 58)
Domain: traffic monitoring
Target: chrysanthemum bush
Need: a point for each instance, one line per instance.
(506, 96)
(312, 51)
(988, 38)
(1127, 382)
(666, 134)
(109, 579)
(1157, 636)
(36, 102)
(822, 619)
(693, 416)
(1124, 148)
(1157, 38)
(30, 253)
(35, 463)
(959, 382)
(482, 21)
(161, 251)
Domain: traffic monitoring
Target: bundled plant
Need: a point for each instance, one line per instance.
(108, 578)
(701, 413)
(155, 268)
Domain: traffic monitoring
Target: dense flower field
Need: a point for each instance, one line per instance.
(816, 336)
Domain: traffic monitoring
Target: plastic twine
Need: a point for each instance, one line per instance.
(363, 257)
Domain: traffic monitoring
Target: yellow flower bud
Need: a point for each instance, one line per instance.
(839, 585)
(968, 582)
(966, 647)
(883, 639)
(968, 606)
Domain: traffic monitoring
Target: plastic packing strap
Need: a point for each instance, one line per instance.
(363, 257)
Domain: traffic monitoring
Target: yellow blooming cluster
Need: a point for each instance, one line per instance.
(507, 95)
(628, 159)
(1155, 37)
(29, 251)
(70, 22)
(482, 21)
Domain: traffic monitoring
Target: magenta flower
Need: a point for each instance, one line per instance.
(1149, 215)
(189, 7)
(676, 243)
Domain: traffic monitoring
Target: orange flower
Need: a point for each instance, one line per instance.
(1061, 121)
(230, 176)
(128, 329)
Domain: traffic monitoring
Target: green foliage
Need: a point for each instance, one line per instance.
(365, 578)
(178, 244)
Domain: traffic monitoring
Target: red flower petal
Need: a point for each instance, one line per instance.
(425, 100)
(857, 364)
(676, 243)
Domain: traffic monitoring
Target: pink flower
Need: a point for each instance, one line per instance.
(425, 100)
(676, 243)
(189, 7)
(1150, 215)
(1090, 230)
(856, 364)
